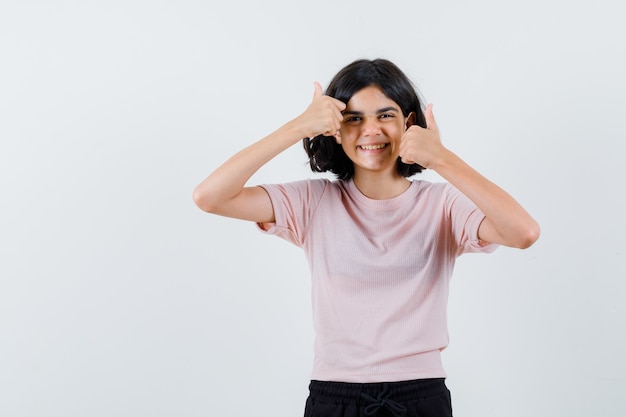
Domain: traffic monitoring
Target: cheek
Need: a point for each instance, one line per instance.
(345, 130)
(396, 131)
(347, 135)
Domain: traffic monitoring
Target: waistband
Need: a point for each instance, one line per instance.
(362, 393)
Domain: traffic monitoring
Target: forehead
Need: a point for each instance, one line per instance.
(370, 98)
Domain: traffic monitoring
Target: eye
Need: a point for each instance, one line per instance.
(352, 119)
(387, 116)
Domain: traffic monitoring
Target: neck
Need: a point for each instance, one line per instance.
(381, 187)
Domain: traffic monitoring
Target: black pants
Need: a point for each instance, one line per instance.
(418, 398)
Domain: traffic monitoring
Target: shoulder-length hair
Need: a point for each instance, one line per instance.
(324, 153)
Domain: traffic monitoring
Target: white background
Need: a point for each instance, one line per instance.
(118, 297)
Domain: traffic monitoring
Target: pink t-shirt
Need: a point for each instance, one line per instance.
(380, 271)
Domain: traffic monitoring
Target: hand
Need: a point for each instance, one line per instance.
(323, 116)
(422, 146)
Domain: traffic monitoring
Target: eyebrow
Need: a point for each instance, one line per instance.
(383, 110)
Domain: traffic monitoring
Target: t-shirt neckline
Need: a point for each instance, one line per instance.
(389, 203)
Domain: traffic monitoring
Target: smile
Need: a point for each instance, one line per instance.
(373, 147)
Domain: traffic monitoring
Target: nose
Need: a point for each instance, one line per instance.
(371, 125)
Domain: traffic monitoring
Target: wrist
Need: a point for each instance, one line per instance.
(296, 130)
(445, 160)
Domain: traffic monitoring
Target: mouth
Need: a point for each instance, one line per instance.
(373, 147)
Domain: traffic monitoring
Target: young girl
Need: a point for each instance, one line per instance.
(381, 248)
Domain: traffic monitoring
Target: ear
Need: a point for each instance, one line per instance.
(410, 120)
(338, 137)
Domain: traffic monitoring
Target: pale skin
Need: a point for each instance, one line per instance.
(373, 133)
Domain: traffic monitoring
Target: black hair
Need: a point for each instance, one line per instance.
(324, 153)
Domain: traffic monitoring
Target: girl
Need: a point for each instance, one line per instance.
(381, 247)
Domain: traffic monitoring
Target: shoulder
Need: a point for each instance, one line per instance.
(436, 195)
(442, 188)
(306, 189)
(422, 187)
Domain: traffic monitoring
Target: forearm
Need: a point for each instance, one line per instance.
(227, 181)
(507, 222)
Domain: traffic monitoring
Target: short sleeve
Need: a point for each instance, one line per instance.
(294, 204)
(465, 220)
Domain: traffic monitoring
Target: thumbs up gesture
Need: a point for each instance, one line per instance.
(323, 116)
(422, 145)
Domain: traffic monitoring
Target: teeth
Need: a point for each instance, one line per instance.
(373, 147)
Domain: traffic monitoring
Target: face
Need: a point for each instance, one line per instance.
(371, 130)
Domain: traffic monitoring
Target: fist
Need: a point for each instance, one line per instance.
(323, 116)
(420, 145)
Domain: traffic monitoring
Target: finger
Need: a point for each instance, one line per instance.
(430, 118)
(402, 150)
(318, 90)
(341, 106)
(337, 112)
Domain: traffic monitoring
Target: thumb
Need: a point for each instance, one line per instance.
(430, 118)
(318, 90)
